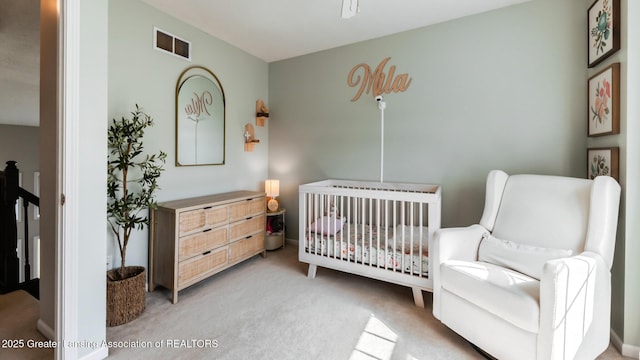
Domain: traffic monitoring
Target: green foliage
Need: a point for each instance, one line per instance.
(131, 177)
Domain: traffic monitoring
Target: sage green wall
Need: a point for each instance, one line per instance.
(500, 90)
(140, 74)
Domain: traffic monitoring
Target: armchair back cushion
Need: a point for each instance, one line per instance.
(544, 212)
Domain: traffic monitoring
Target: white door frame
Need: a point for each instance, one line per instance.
(66, 286)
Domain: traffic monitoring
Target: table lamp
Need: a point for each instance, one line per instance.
(272, 188)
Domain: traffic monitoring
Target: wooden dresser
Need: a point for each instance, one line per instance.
(192, 239)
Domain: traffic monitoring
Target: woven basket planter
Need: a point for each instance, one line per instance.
(125, 297)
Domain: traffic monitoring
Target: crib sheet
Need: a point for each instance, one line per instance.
(408, 253)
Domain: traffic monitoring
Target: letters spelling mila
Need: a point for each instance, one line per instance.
(375, 83)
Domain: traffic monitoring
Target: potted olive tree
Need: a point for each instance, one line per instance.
(131, 182)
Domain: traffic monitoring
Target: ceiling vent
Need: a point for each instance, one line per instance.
(167, 42)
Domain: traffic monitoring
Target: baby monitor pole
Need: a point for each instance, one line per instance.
(381, 106)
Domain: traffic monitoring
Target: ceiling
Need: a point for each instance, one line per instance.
(279, 29)
(268, 29)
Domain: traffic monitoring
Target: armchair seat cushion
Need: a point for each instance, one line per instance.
(508, 294)
(523, 258)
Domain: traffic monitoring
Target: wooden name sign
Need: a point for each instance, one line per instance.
(375, 83)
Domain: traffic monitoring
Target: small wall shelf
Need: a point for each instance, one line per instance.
(249, 138)
(262, 112)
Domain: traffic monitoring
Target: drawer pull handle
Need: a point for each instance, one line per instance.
(249, 218)
(206, 252)
(249, 237)
(208, 207)
(207, 230)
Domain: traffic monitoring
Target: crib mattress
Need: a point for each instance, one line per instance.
(404, 250)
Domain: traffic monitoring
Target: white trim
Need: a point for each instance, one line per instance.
(98, 354)
(36, 192)
(631, 351)
(36, 257)
(66, 314)
(46, 330)
(615, 340)
(20, 254)
(19, 201)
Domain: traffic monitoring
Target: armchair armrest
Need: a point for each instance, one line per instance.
(459, 243)
(568, 302)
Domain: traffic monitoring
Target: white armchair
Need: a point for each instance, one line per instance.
(532, 280)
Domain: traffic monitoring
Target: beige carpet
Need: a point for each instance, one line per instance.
(269, 309)
(19, 314)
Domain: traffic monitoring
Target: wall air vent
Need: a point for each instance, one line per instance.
(167, 42)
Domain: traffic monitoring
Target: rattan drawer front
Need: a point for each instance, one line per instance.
(198, 243)
(217, 215)
(191, 220)
(247, 208)
(247, 227)
(199, 266)
(242, 248)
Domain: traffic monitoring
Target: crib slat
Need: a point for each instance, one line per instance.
(403, 220)
(420, 248)
(411, 214)
(395, 234)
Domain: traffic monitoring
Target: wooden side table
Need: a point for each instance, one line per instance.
(274, 238)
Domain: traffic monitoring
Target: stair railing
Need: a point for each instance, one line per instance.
(10, 192)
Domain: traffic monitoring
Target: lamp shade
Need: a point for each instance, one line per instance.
(272, 187)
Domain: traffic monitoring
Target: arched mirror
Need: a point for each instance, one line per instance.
(200, 118)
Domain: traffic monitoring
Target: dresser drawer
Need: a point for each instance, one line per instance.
(242, 248)
(200, 219)
(191, 221)
(216, 215)
(247, 227)
(198, 243)
(200, 266)
(247, 208)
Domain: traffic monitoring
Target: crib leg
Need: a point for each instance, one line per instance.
(417, 297)
(312, 271)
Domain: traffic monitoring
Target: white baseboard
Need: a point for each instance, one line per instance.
(98, 354)
(631, 351)
(46, 330)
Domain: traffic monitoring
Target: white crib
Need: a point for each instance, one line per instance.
(373, 229)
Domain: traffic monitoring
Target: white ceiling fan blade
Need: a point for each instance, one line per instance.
(349, 8)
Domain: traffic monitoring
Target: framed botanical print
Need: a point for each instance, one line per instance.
(603, 31)
(602, 162)
(604, 102)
